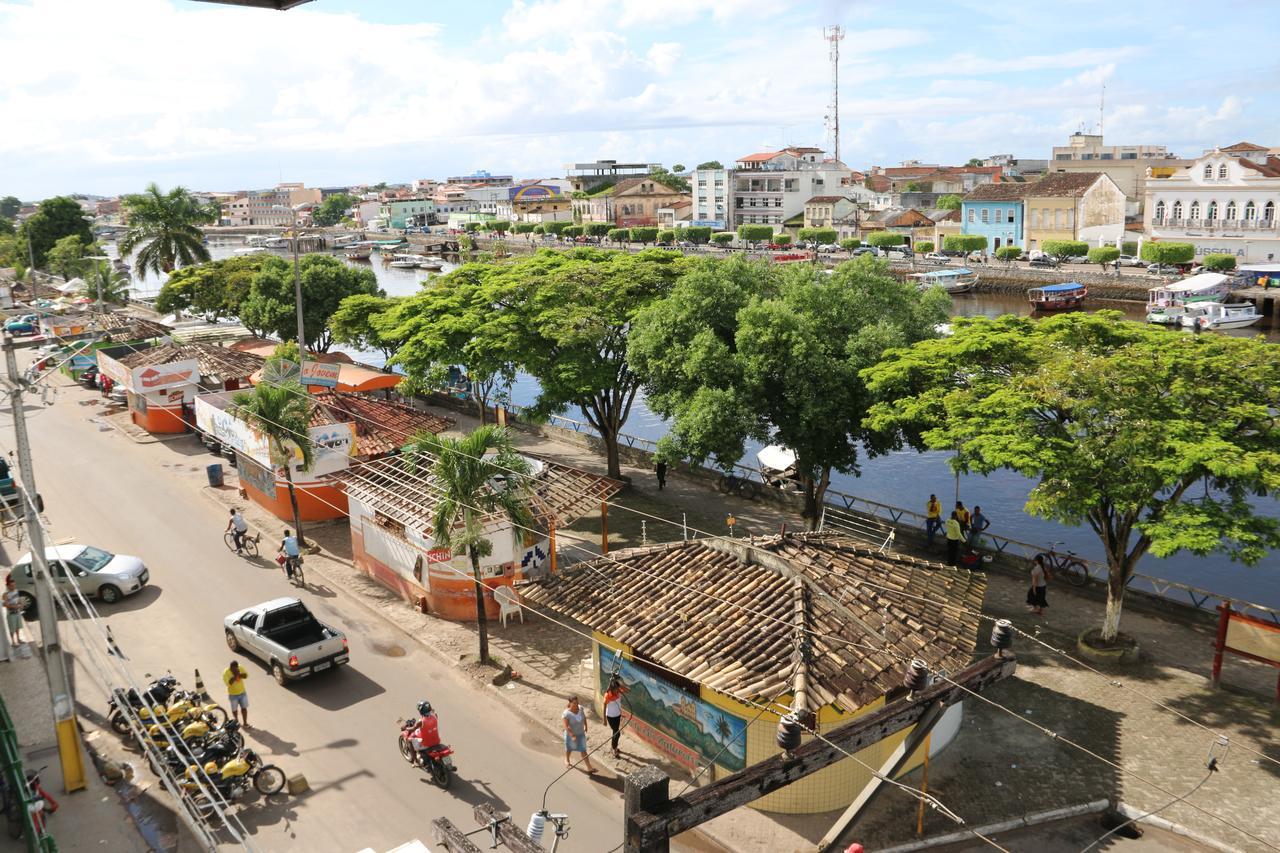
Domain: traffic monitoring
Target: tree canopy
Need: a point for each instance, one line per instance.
(885, 239)
(325, 280)
(57, 217)
(1008, 254)
(68, 257)
(1220, 263)
(213, 290)
(165, 228)
(1161, 252)
(710, 164)
(1156, 441)
(950, 202)
(333, 209)
(1103, 255)
(9, 207)
(749, 350)
(964, 243)
(355, 323)
(668, 179)
(1064, 249)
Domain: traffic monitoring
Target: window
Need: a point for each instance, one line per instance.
(1159, 211)
(985, 215)
(1107, 156)
(1035, 217)
(1250, 211)
(1010, 219)
(1177, 210)
(1195, 210)
(1213, 211)
(1231, 211)
(1128, 155)
(1222, 172)
(1208, 172)
(1269, 212)
(971, 216)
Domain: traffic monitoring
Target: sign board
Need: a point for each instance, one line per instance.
(161, 376)
(114, 370)
(231, 431)
(63, 327)
(254, 474)
(1248, 637)
(320, 373)
(333, 445)
(708, 223)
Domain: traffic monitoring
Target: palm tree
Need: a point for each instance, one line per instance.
(169, 224)
(105, 283)
(479, 475)
(281, 411)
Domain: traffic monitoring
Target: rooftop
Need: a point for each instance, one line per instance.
(998, 192)
(1243, 146)
(216, 363)
(382, 426)
(1062, 185)
(826, 199)
(814, 614)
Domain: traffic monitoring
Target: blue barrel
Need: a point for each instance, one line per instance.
(214, 472)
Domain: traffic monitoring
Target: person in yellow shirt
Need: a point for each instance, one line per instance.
(962, 516)
(234, 676)
(932, 519)
(955, 534)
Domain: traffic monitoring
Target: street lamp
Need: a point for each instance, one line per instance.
(297, 283)
(98, 305)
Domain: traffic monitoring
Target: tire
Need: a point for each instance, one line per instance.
(269, 780)
(232, 642)
(251, 546)
(1077, 573)
(109, 594)
(230, 539)
(120, 724)
(407, 752)
(277, 672)
(216, 716)
(440, 774)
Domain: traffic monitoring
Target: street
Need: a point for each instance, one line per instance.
(339, 728)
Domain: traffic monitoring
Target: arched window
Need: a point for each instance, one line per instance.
(1177, 211)
(1269, 212)
(1250, 211)
(1213, 211)
(1222, 172)
(1231, 211)
(1195, 210)
(1159, 211)
(1208, 171)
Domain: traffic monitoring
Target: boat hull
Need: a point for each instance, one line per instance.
(1062, 303)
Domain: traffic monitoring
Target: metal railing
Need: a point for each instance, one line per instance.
(16, 794)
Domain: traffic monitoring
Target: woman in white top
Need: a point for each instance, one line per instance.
(613, 710)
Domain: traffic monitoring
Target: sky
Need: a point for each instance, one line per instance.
(104, 96)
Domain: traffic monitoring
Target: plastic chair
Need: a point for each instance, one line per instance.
(508, 604)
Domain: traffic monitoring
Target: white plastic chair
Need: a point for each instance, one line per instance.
(508, 604)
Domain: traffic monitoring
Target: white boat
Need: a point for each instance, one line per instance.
(250, 250)
(1220, 315)
(405, 260)
(403, 264)
(1171, 315)
(1209, 285)
(256, 241)
(276, 243)
(344, 240)
(959, 280)
(433, 263)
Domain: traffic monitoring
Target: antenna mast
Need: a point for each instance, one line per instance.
(1102, 101)
(834, 34)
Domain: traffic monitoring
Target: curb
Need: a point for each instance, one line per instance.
(1175, 828)
(1033, 819)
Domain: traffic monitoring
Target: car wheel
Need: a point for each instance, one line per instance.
(232, 642)
(109, 594)
(277, 672)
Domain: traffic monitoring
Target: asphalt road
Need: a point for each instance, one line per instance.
(339, 728)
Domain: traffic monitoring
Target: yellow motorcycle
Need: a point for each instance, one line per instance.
(230, 781)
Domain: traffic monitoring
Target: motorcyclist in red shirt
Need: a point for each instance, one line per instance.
(426, 732)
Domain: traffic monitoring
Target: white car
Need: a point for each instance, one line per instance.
(827, 248)
(109, 577)
(937, 258)
(1130, 261)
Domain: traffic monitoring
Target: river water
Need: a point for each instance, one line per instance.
(907, 478)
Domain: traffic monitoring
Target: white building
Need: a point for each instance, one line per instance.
(1223, 202)
(712, 198)
(772, 187)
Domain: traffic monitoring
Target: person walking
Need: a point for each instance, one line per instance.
(1036, 601)
(955, 535)
(977, 523)
(234, 676)
(962, 515)
(613, 710)
(660, 470)
(13, 611)
(932, 519)
(575, 733)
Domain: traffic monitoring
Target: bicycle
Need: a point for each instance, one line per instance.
(1074, 569)
(732, 484)
(249, 545)
(293, 570)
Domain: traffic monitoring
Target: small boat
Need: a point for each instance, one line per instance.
(276, 243)
(250, 250)
(777, 466)
(1219, 315)
(1209, 285)
(1057, 297)
(359, 253)
(432, 263)
(959, 280)
(1171, 315)
(403, 264)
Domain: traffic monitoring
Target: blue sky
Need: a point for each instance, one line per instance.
(103, 96)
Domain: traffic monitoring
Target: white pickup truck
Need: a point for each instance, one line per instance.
(285, 635)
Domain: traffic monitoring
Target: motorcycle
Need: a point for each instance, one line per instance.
(195, 734)
(222, 746)
(435, 760)
(159, 692)
(38, 805)
(231, 781)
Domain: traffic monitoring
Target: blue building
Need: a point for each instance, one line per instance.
(996, 212)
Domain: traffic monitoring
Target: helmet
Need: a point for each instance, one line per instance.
(424, 707)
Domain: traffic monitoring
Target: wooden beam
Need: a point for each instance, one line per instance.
(451, 838)
(648, 830)
(511, 836)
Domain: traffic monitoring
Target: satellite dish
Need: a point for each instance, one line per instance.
(278, 370)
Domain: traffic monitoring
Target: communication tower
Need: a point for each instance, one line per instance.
(834, 34)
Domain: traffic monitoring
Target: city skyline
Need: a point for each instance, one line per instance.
(339, 92)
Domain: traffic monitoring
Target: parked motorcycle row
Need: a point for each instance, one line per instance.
(185, 733)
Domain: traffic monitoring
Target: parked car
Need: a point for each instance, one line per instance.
(1162, 269)
(98, 573)
(827, 248)
(1078, 259)
(864, 250)
(1043, 262)
(1130, 261)
(22, 325)
(953, 253)
(287, 638)
(900, 254)
(937, 258)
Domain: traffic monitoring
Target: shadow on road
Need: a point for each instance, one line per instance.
(471, 792)
(271, 743)
(340, 689)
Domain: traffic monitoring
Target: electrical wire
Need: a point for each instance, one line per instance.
(1212, 769)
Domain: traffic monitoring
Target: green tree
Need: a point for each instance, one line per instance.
(281, 413)
(56, 218)
(755, 233)
(619, 235)
(850, 243)
(167, 228)
(556, 228)
(885, 239)
(1064, 249)
(355, 323)
(723, 238)
(67, 257)
(1156, 441)
(668, 179)
(950, 202)
(710, 164)
(748, 350)
(523, 228)
(698, 235)
(325, 280)
(678, 167)
(499, 226)
(573, 231)
(666, 237)
(9, 207)
(214, 290)
(103, 282)
(539, 229)
(926, 246)
(472, 227)
(914, 187)
(821, 236)
(1104, 255)
(964, 243)
(1129, 248)
(782, 240)
(1008, 254)
(333, 209)
(597, 229)
(644, 236)
(465, 470)
(974, 161)
(6, 227)
(1219, 263)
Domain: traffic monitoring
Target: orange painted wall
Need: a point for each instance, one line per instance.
(160, 420)
(316, 501)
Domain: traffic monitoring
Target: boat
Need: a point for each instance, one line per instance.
(432, 263)
(344, 241)
(359, 253)
(959, 280)
(1057, 297)
(276, 243)
(1162, 297)
(1219, 315)
(250, 250)
(1171, 315)
(403, 264)
(777, 465)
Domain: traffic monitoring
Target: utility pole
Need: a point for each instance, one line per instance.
(64, 717)
(834, 34)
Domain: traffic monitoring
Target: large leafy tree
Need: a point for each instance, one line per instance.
(480, 477)
(1156, 441)
(333, 209)
(56, 218)
(167, 228)
(214, 289)
(355, 323)
(950, 202)
(281, 412)
(748, 350)
(9, 207)
(325, 280)
(69, 256)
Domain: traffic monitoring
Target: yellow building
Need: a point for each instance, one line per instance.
(1086, 206)
(716, 639)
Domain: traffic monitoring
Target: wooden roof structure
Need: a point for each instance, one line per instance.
(217, 364)
(817, 615)
(120, 327)
(390, 487)
(382, 426)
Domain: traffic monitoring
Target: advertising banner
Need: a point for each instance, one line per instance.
(320, 373)
(114, 370)
(160, 376)
(230, 431)
(333, 445)
(251, 472)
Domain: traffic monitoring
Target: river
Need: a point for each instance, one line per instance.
(907, 478)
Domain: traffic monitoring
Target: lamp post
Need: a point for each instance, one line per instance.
(99, 258)
(297, 284)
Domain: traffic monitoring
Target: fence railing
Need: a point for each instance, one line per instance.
(14, 794)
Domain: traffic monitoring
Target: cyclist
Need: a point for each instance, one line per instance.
(239, 528)
(289, 550)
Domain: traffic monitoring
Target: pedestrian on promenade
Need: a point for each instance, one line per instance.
(613, 710)
(954, 537)
(234, 676)
(661, 471)
(1036, 602)
(962, 515)
(977, 523)
(575, 733)
(13, 611)
(932, 519)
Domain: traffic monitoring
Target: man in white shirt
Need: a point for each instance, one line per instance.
(239, 528)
